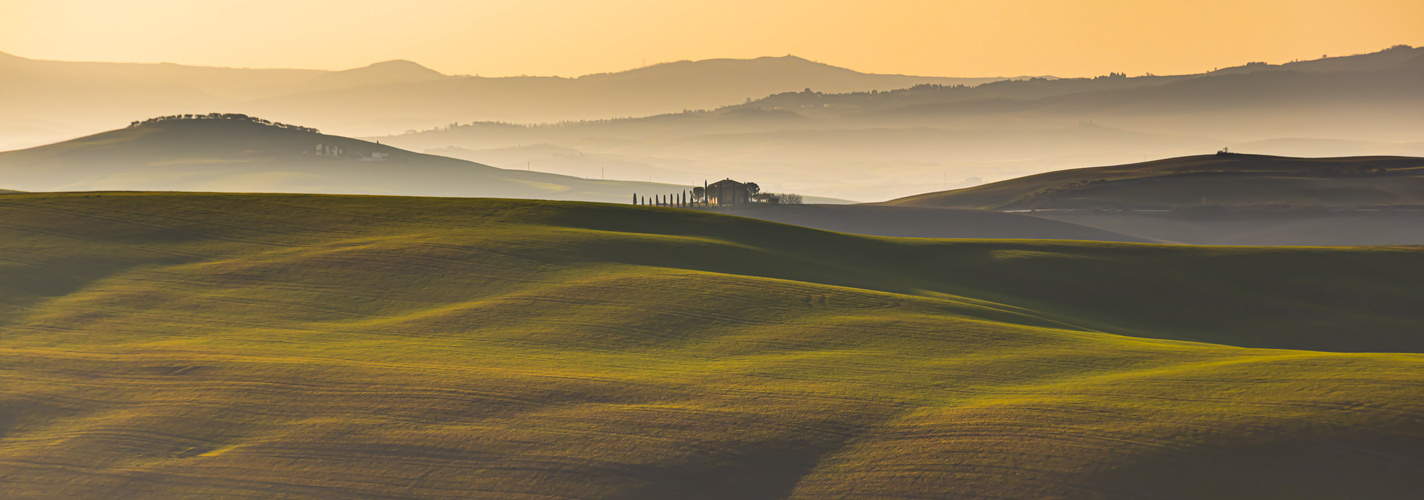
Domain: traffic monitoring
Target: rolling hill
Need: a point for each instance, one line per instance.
(1223, 199)
(916, 222)
(1269, 228)
(1221, 180)
(240, 154)
(186, 345)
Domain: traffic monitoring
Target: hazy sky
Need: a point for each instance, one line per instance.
(574, 37)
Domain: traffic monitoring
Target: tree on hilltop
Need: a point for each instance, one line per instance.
(226, 117)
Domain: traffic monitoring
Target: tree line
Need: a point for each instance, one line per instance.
(699, 197)
(224, 116)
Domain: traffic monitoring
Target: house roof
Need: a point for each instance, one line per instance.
(726, 182)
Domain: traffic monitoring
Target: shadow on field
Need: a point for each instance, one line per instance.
(1360, 467)
(767, 472)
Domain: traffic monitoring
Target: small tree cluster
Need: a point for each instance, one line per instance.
(224, 116)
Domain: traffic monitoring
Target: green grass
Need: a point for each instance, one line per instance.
(1234, 180)
(288, 346)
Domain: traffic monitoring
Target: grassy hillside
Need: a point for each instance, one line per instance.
(238, 155)
(916, 222)
(288, 346)
(1208, 180)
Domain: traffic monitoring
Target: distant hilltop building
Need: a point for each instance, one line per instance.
(727, 192)
(340, 152)
(329, 150)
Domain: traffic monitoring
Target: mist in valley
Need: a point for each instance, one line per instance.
(874, 146)
(790, 125)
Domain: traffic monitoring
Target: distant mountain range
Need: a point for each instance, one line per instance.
(1362, 97)
(884, 145)
(850, 136)
(44, 101)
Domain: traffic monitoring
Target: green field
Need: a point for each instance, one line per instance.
(302, 346)
(918, 222)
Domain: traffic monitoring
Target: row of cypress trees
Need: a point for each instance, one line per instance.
(681, 200)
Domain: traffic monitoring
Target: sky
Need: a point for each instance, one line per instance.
(969, 38)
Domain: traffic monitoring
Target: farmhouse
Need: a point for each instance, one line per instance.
(727, 192)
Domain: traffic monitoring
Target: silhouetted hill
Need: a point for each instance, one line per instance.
(784, 72)
(382, 73)
(1369, 96)
(240, 154)
(1226, 180)
(1395, 57)
(1223, 199)
(47, 101)
(1029, 93)
(66, 99)
(658, 89)
(1326, 148)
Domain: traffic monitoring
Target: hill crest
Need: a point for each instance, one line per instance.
(382, 73)
(1222, 179)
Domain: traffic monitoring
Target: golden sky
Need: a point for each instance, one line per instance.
(575, 37)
